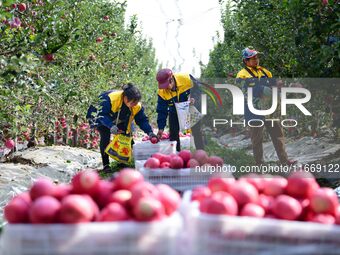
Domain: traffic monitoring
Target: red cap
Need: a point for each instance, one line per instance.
(163, 77)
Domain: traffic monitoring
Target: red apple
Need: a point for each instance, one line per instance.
(266, 202)
(301, 184)
(152, 163)
(215, 161)
(106, 17)
(201, 156)
(141, 190)
(42, 187)
(325, 201)
(149, 209)
(99, 39)
(169, 198)
(17, 210)
(286, 207)
(49, 57)
(113, 212)
(158, 156)
(22, 7)
(176, 162)
(105, 189)
(9, 144)
(76, 209)
(275, 186)
(192, 163)
(127, 178)
(62, 190)
(86, 182)
(220, 184)
(154, 140)
(252, 210)
(44, 209)
(244, 193)
(337, 215)
(122, 197)
(199, 193)
(219, 203)
(185, 155)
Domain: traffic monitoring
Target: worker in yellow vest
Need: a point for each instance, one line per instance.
(261, 80)
(117, 111)
(175, 88)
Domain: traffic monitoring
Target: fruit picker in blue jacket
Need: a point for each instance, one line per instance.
(261, 80)
(117, 111)
(173, 88)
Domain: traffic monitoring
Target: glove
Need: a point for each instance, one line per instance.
(160, 133)
(152, 135)
(114, 130)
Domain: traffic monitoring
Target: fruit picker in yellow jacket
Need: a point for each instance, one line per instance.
(116, 113)
(261, 80)
(173, 88)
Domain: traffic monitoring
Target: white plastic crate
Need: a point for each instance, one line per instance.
(154, 238)
(180, 179)
(144, 150)
(217, 235)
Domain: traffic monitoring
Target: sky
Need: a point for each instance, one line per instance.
(182, 31)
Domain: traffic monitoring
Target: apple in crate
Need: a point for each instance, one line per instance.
(215, 161)
(165, 165)
(86, 182)
(113, 212)
(185, 155)
(142, 190)
(42, 187)
(17, 210)
(252, 210)
(149, 209)
(192, 163)
(301, 184)
(121, 197)
(275, 186)
(201, 156)
(220, 184)
(44, 209)
(323, 218)
(324, 200)
(169, 198)
(219, 203)
(62, 190)
(244, 193)
(152, 163)
(76, 209)
(127, 178)
(286, 207)
(176, 162)
(105, 189)
(199, 193)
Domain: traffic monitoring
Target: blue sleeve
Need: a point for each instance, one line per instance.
(104, 113)
(162, 111)
(143, 122)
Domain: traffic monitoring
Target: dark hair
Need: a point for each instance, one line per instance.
(131, 92)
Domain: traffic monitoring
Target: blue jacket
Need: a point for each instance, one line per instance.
(257, 78)
(167, 98)
(111, 103)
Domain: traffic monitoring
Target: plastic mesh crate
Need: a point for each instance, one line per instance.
(217, 235)
(155, 238)
(179, 179)
(144, 150)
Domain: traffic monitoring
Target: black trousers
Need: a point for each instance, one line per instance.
(104, 142)
(174, 132)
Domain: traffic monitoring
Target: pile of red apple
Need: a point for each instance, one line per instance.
(184, 159)
(165, 136)
(88, 198)
(297, 198)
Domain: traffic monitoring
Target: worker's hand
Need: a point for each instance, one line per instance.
(160, 133)
(192, 101)
(153, 138)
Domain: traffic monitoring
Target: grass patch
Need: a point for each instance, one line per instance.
(116, 167)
